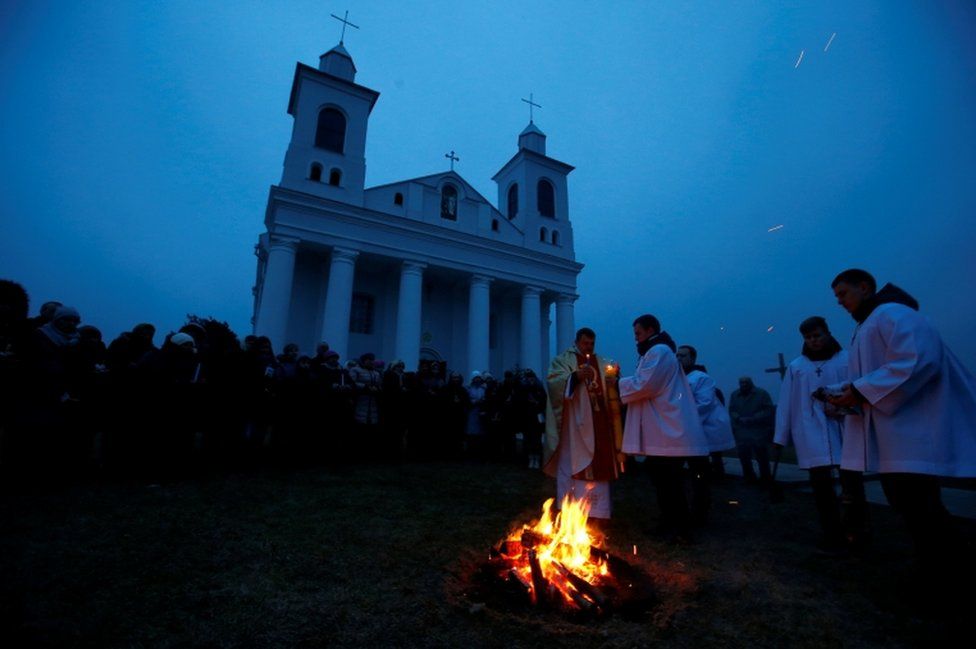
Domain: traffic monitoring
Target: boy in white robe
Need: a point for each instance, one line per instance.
(916, 407)
(815, 429)
(716, 425)
(662, 421)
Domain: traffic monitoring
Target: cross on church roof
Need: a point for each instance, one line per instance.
(452, 157)
(344, 21)
(531, 104)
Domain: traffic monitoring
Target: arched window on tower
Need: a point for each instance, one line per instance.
(555, 237)
(335, 177)
(543, 235)
(315, 173)
(546, 198)
(449, 201)
(331, 130)
(513, 201)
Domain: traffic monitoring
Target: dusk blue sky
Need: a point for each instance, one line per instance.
(138, 141)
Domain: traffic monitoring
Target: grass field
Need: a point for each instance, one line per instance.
(381, 556)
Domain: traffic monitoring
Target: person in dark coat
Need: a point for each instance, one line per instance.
(51, 358)
(752, 413)
(14, 330)
(456, 403)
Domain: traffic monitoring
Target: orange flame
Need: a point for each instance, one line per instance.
(563, 539)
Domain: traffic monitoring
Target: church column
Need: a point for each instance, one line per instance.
(279, 273)
(408, 314)
(478, 300)
(531, 356)
(545, 325)
(338, 300)
(565, 322)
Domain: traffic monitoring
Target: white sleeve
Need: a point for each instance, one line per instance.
(649, 378)
(912, 357)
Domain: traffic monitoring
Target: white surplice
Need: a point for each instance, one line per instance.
(714, 417)
(662, 418)
(801, 419)
(920, 415)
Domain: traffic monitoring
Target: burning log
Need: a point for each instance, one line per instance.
(511, 548)
(583, 586)
(521, 587)
(540, 585)
(581, 602)
(531, 538)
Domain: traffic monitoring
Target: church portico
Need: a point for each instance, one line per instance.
(420, 268)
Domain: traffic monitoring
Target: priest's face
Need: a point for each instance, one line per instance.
(850, 296)
(816, 339)
(586, 344)
(684, 357)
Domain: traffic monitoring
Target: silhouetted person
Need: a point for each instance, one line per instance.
(751, 410)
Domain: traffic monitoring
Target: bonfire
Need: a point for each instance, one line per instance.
(558, 562)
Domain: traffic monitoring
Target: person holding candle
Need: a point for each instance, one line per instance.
(583, 427)
(662, 422)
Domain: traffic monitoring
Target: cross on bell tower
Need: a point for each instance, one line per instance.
(345, 22)
(532, 105)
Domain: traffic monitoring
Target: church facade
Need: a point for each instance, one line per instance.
(425, 268)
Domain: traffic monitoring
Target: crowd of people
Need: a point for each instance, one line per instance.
(207, 399)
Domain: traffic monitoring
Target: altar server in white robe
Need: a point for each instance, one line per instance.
(662, 421)
(916, 411)
(715, 423)
(815, 429)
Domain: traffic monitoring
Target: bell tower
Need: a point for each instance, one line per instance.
(533, 192)
(327, 152)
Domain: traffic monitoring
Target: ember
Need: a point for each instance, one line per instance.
(557, 563)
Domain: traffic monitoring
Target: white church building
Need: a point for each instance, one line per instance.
(420, 269)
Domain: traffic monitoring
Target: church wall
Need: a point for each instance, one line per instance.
(377, 285)
(459, 333)
(305, 301)
(508, 318)
(390, 303)
(380, 234)
(381, 200)
(437, 312)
